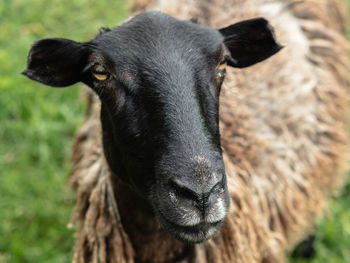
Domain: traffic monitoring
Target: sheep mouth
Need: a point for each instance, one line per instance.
(190, 234)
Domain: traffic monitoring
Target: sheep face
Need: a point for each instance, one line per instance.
(159, 81)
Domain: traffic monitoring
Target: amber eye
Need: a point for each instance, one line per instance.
(99, 73)
(221, 69)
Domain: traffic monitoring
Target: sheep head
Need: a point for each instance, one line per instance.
(159, 82)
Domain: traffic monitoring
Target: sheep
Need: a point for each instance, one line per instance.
(282, 132)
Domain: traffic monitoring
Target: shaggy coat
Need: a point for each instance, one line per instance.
(283, 135)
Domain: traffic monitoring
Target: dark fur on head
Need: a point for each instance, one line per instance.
(159, 81)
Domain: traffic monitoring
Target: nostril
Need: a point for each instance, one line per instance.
(199, 196)
(182, 191)
(218, 187)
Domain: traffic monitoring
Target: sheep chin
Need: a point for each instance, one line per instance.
(189, 234)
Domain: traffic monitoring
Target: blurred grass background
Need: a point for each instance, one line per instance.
(37, 125)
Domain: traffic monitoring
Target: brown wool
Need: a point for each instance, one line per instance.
(283, 134)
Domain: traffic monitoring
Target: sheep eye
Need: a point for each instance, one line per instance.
(221, 68)
(99, 73)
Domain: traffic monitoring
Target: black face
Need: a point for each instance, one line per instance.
(159, 81)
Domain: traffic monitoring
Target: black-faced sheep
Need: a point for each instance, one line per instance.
(150, 165)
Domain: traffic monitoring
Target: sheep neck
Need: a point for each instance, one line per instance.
(150, 241)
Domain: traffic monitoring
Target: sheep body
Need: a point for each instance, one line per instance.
(283, 134)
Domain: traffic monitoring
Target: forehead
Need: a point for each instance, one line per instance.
(157, 35)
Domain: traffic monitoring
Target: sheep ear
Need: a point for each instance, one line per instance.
(56, 62)
(250, 42)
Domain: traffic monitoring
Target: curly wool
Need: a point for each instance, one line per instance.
(283, 133)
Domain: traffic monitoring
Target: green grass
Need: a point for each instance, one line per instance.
(37, 127)
(332, 242)
(37, 124)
